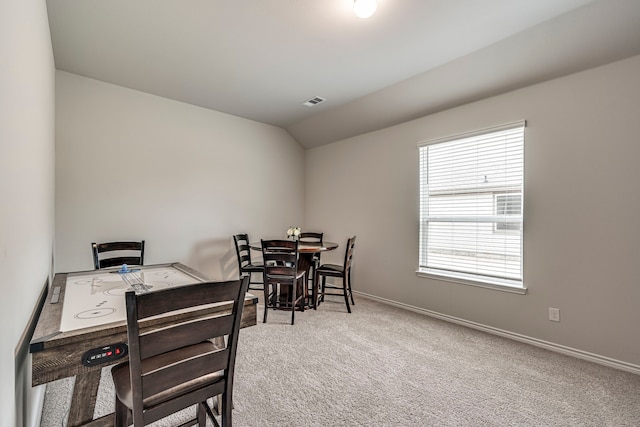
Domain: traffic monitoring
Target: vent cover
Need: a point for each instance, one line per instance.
(313, 101)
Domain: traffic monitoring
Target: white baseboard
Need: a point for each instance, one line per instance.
(37, 396)
(580, 354)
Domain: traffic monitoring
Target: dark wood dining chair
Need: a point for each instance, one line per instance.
(245, 264)
(112, 254)
(283, 283)
(174, 367)
(312, 237)
(342, 271)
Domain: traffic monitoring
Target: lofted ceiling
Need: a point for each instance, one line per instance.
(262, 59)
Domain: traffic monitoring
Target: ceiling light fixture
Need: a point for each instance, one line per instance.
(364, 8)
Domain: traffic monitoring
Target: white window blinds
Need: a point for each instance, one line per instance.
(471, 205)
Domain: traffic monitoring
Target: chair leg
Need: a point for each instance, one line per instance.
(324, 282)
(201, 415)
(314, 291)
(350, 290)
(305, 293)
(210, 413)
(250, 282)
(250, 274)
(227, 406)
(293, 301)
(121, 414)
(344, 289)
(219, 343)
(266, 303)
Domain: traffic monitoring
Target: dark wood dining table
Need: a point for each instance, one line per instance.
(306, 252)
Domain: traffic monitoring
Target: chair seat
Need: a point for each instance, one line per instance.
(331, 270)
(122, 379)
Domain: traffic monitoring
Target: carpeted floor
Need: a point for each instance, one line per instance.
(384, 366)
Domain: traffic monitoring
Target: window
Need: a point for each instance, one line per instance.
(471, 207)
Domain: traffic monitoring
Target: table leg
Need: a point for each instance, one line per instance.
(83, 399)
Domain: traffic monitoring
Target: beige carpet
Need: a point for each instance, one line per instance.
(383, 366)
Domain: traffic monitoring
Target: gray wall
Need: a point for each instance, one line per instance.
(135, 166)
(581, 210)
(26, 192)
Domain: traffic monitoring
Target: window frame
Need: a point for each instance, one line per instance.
(508, 284)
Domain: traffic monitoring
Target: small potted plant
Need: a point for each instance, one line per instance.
(294, 232)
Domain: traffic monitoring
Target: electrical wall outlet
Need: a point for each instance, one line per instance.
(554, 314)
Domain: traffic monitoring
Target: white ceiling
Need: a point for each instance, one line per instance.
(261, 59)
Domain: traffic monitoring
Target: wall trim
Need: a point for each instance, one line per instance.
(37, 405)
(580, 354)
(31, 397)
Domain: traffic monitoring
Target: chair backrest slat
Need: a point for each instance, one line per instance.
(182, 334)
(170, 376)
(177, 298)
(309, 236)
(279, 245)
(118, 261)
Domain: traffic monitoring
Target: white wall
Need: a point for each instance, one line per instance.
(581, 211)
(26, 190)
(130, 165)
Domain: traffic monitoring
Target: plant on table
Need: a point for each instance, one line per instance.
(293, 232)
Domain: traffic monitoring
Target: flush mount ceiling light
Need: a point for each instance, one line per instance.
(364, 8)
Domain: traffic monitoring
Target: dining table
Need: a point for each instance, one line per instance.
(306, 253)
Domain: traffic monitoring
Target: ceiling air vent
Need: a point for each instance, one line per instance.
(313, 101)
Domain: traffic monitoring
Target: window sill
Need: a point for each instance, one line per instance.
(461, 279)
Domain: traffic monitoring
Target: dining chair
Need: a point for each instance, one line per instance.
(245, 264)
(174, 367)
(283, 283)
(342, 271)
(112, 254)
(312, 237)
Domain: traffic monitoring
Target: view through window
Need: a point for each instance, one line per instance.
(471, 206)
